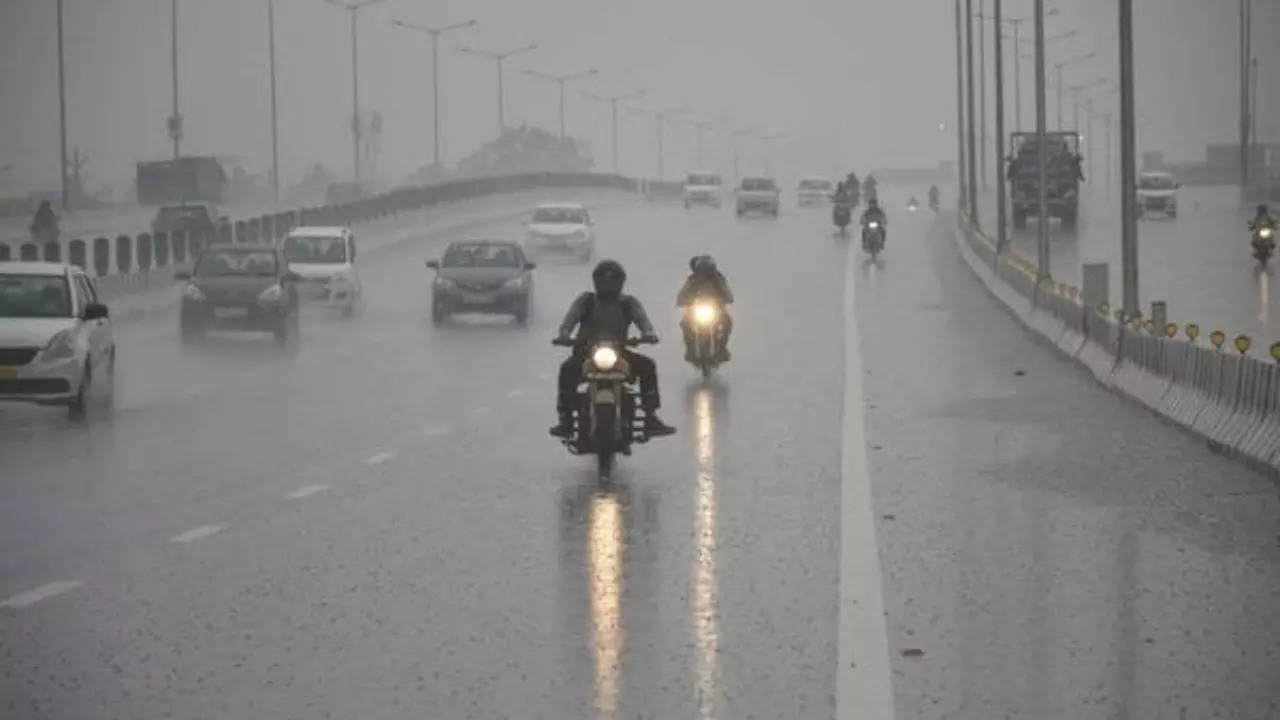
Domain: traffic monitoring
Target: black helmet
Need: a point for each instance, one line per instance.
(609, 277)
(873, 203)
(704, 265)
(1262, 209)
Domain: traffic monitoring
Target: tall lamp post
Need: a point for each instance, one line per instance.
(434, 32)
(560, 81)
(62, 113)
(175, 119)
(1128, 164)
(354, 7)
(612, 101)
(275, 124)
(499, 58)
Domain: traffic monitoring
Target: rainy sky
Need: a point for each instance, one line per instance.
(854, 84)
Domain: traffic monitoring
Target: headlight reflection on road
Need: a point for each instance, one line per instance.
(705, 629)
(604, 565)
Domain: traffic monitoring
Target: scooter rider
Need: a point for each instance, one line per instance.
(607, 314)
(706, 281)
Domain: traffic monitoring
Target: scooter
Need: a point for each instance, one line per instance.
(607, 416)
(708, 335)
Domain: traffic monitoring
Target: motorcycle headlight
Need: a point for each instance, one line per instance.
(272, 294)
(704, 313)
(193, 293)
(1266, 233)
(60, 347)
(873, 224)
(605, 358)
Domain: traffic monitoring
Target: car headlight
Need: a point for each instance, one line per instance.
(445, 284)
(704, 313)
(605, 358)
(61, 346)
(516, 283)
(272, 294)
(193, 293)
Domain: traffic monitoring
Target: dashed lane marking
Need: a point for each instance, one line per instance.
(379, 457)
(44, 592)
(199, 533)
(306, 491)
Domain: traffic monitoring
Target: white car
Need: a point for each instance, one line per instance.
(325, 259)
(1157, 194)
(702, 188)
(560, 228)
(814, 190)
(56, 346)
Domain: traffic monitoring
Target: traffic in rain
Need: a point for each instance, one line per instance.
(492, 359)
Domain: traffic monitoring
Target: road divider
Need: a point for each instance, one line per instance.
(1217, 391)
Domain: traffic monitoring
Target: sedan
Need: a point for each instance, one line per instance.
(240, 287)
(564, 228)
(483, 276)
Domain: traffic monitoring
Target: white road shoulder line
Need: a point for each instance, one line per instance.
(306, 491)
(199, 533)
(44, 592)
(379, 457)
(864, 682)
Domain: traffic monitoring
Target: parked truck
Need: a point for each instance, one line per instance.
(184, 180)
(1063, 175)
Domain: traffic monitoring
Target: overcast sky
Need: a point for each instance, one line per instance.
(854, 83)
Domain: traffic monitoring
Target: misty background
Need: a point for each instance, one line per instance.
(853, 84)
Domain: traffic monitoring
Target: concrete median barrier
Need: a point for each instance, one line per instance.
(1220, 392)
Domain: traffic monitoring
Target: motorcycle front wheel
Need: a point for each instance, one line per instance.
(605, 439)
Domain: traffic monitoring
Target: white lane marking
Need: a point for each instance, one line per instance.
(44, 592)
(864, 686)
(199, 533)
(306, 491)
(482, 410)
(379, 457)
(434, 431)
(515, 393)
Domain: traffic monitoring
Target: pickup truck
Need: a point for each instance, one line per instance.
(758, 193)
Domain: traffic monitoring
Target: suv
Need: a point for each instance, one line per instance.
(1157, 194)
(56, 346)
(758, 193)
(325, 259)
(189, 218)
(702, 188)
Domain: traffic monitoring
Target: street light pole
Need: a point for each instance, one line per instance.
(1128, 167)
(982, 92)
(973, 158)
(612, 101)
(1042, 155)
(1001, 222)
(1246, 10)
(62, 113)
(354, 9)
(275, 129)
(434, 32)
(962, 176)
(560, 80)
(1017, 73)
(175, 120)
(499, 59)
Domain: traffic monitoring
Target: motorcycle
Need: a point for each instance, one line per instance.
(708, 336)
(912, 205)
(873, 238)
(1264, 244)
(841, 216)
(607, 417)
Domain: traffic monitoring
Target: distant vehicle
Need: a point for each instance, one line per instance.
(56, 346)
(1157, 194)
(325, 260)
(758, 193)
(185, 180)
(814, 190)
(702, 188)
(561, 228)
(1062, 172)
(483, 276)
(189, 218)
(240, 287)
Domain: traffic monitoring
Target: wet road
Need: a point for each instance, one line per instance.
(1199, 263)
(374, 524)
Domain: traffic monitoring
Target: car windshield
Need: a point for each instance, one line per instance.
(815, 184)
(237, 262)
(1157, 182)
(703, 179)
(185, 212)
(758, 184)
(34, 296)
(481, 255)
(558, 215)
(319, 250)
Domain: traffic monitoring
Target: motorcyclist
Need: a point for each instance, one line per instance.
(45, 222)
(607, 314)
(1262, 220)
(876, 214)
(934, 196)
(870, 185)
(705, 281)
